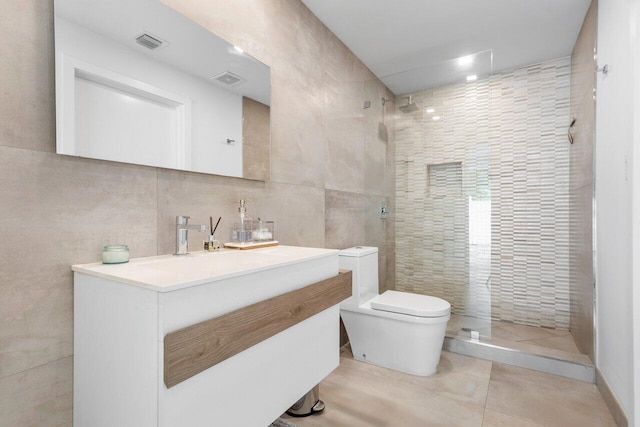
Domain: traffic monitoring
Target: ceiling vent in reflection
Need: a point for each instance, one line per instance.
(150, 42)
(228, 78)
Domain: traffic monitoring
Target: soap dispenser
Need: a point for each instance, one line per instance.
(242, 230)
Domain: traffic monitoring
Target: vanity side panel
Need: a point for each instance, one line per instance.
(115, 354)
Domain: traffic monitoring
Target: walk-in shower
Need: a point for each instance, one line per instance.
(483, 210)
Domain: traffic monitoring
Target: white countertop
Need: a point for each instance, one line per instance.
(166, 273)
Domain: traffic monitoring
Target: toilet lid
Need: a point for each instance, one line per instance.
(411, 304)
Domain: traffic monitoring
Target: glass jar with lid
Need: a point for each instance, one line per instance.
(115, 254)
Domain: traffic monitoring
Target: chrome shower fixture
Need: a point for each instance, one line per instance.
(409, 108)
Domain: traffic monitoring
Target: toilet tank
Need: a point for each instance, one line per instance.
(363, 262)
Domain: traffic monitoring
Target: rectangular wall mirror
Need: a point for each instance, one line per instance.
(137, 82)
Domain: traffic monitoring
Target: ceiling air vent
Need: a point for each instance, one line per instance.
(228, 78)
(148, 41)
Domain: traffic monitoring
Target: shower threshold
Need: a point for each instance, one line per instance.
(480, 350)
(542, 349)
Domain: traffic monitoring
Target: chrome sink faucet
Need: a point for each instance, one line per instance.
(182, 229)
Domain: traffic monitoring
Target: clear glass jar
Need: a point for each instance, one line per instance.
(263, 231)
(115, 254)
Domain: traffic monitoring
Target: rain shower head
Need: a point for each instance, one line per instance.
(410, 107)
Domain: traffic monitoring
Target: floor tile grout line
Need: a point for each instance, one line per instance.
(486, 396)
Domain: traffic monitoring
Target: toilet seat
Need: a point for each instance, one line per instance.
(411, 304)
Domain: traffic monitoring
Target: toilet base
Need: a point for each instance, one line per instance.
(404, 343)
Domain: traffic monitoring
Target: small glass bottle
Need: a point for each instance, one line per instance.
(212, 244)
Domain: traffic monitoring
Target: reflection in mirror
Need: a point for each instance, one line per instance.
(136, 82)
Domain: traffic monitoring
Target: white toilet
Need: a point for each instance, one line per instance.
(397, 330)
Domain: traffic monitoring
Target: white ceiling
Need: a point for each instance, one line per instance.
(421, 38)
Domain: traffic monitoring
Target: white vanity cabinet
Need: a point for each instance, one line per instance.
(122, 314)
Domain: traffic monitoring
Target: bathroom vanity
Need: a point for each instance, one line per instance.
(208, 339)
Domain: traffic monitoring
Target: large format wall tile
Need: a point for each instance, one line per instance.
(256, 140)
(581, 192)
(346, 152)
(344, 219)
(57, 211)
(298, 137)
(354, 220)
(378, 134)
(223, 17)
(38, 397)
(27, 118)
(298, 211)
(200, 196)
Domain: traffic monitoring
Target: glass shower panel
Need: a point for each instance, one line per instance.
(482, 194)
(443, 192)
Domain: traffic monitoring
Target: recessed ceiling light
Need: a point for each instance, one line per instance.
(472, 78)
(463, 61)
(435, 118)
(431, 110)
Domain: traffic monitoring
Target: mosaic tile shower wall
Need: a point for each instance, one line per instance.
(482, 196)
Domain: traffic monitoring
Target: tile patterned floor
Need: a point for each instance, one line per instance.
(544, 341)
(464, 392)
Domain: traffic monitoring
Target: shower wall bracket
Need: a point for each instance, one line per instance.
(604, 69)
(384, 210)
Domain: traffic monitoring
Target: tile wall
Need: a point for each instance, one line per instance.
(329, 172)
(583, 83)
(442, 168)
(499, 245)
